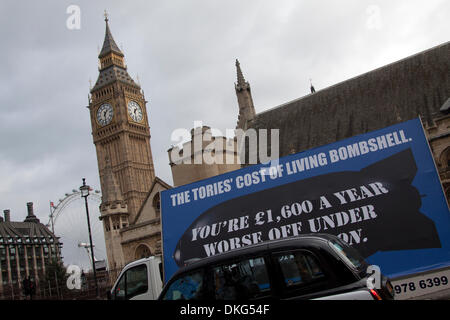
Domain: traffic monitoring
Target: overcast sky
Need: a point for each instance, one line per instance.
(184, 52)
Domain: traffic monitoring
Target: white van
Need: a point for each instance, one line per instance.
(139, 280)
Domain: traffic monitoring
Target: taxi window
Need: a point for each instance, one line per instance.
(299, 268)
(348, 254)
(245, 279)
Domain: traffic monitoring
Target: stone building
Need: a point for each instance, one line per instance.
(143, 236)
(26, 248)
(189, 165)
(417, 86)
(121, 135)
(438, 132)
(202, 157)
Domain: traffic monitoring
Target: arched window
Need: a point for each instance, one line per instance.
(444, 159)
(142, 251)
(156, 204)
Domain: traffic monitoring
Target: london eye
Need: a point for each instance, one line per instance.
(68, 221)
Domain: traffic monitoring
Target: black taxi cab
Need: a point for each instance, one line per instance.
(316, 266)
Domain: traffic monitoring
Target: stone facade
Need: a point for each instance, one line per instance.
(115, 216)
(143, 237)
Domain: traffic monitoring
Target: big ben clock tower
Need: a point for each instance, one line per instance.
(121, 135)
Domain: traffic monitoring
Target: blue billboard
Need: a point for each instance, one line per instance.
(379, 192)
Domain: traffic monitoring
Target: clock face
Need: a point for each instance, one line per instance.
(104, 114)
(135, 111)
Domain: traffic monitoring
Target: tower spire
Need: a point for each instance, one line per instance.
(109, 45)
(111, 62)
(240, 76)
(313, 90)
(245, 101)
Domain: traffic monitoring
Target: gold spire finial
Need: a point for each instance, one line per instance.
(106, 15)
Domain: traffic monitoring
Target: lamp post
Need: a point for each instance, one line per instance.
(85, 193)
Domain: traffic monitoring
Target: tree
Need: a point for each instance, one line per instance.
(56, 277)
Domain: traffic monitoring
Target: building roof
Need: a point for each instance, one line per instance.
(31, 231)
(417, 85)
(111, 74)
(109, 45)
(25, 233)
(149, 193)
